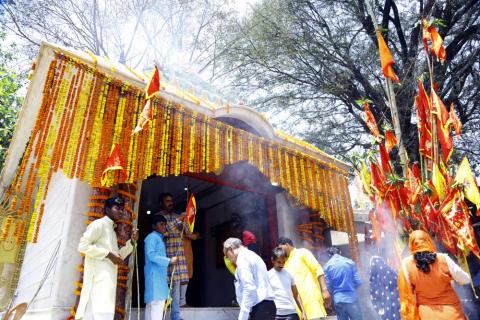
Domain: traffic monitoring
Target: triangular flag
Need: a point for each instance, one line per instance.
(153, 85)
(366, 178)
(465, 177)
(386, 58)
(438, 181)
(457, 124)
(430, 33)
(191, 213)
(370, 122)
(385, 159)
(115, 161)
(390, 140)
(145, 117)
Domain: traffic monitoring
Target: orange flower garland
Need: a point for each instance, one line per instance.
(84, 111)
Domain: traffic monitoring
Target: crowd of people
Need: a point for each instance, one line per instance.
(297, 287)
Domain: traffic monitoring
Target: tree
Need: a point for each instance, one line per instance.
(10, 101)
(133, 32)
(312, 60)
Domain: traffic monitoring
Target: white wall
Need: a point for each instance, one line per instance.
(63, 221)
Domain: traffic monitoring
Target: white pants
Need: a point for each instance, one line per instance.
(154, 310)
(90, 315)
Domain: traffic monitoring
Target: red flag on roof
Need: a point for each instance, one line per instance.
(153, 85)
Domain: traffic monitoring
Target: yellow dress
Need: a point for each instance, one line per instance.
(305, 269)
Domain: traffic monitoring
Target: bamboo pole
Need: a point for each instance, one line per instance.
(392, 103)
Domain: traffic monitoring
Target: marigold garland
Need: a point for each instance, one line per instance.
(84, 111)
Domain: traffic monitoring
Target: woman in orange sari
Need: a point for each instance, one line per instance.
(424, 282)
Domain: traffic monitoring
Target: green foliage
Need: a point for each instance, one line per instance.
(10, 101)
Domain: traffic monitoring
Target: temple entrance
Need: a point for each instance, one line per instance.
(239, 199)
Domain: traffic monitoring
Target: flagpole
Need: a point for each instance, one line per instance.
(393, 106)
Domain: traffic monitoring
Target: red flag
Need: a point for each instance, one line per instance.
(443, 125)
(378, 180)
(431, 33)
(439, 109)
(385, 159)
(390, 140)
(445, 140)
(153, 85)
(115, 161)
(424, 124)
(370, 122)
(386, 58)
(413, 184)
(457, 124)
(458, 223)
(191, 213)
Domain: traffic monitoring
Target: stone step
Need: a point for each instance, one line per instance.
(204, 314)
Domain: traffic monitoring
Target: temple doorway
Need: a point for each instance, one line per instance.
(239, 199)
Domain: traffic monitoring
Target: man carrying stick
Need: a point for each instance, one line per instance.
(102, 256)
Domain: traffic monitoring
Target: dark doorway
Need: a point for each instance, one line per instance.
(225, 209)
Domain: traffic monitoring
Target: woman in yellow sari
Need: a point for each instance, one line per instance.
(424, 282)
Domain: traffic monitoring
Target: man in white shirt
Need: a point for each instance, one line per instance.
(102, 256)
(285, 291)
(252, 287)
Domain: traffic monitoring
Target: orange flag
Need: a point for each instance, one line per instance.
(457, 124)
(439, 109)
(115, 161)
(446, 141)
(370, 122)
(431, 33)
(145, 117)
(385, 159)
(191, 213)
(386, 58)
(153, 85)
(390, 140)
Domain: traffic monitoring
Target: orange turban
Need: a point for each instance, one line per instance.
(419, 241)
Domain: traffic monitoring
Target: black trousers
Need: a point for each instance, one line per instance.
(264, 310)
(292, 316)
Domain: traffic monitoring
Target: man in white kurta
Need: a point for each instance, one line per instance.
(102, 255)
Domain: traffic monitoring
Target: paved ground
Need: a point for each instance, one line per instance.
(206, 314)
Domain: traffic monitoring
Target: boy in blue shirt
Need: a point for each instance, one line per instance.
(156, 263)
(342, 281)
